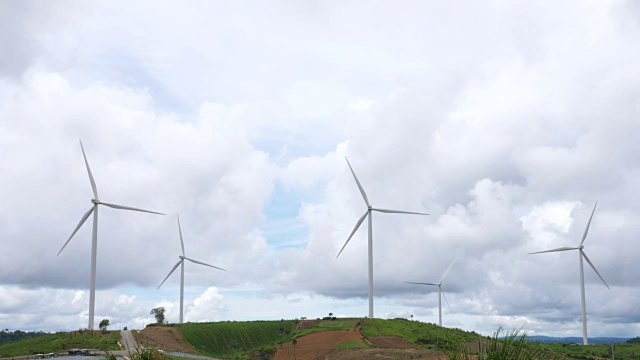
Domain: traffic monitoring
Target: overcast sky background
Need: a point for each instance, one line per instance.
(506, 121)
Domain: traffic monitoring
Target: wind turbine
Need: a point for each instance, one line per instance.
(181, 263)
(440, 292)
(369, 213)
(94, 237)
(581, 254)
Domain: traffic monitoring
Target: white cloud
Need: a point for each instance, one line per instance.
(209, 306)
(504, 121)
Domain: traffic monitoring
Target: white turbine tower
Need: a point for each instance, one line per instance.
(581, 254)
(181, 263)
(368, 213)
(440, 292)
(94, 238)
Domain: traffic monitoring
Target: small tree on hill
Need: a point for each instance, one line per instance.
(159, 315)
(103, 325)
(294, 342)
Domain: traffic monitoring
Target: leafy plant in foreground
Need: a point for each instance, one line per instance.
(147, 354)
(513, 346)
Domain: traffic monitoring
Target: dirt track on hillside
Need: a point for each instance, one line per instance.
(322, 345)
(166, 338)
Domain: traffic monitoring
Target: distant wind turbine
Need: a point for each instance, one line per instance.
(440, 292)
(581, 254)
(181, 263)
(368, 213)
(94, 238)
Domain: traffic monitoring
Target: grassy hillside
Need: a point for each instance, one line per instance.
(9, 336)
(225, 338)
(61, 342)
(219, 339)
(416, 332)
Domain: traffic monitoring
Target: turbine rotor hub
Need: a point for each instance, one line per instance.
(95, 201)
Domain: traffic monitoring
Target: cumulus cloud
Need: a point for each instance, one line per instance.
(505, 122)
(209, 306)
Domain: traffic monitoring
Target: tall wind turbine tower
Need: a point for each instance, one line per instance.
(94, 237)
(181, 263)
(440, 292)
(369, 213)
(581, 255)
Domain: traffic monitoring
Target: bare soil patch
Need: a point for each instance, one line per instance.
(322, 346)
(374, 353)
(316, 345)
(164, 337)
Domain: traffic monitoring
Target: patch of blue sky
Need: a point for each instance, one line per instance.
(283, 227)
(312, 137)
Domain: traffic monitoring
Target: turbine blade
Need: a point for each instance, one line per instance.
(419, 283)
(445, 273)
(397, 211)
(586, 230)
(170, 272)
(445, 299)
(364, 195)
(554, 250)
(594, 269)
(201, 263)
(93, 183)
(180, 231)
(354, 231)
(128, 208)
(84, 218)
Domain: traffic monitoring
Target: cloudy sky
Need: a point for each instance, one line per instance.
(506, 121)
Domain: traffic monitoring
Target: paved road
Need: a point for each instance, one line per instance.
(128, 342)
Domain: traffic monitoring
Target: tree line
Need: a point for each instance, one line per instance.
(9, 336)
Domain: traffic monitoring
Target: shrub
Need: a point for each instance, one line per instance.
(147, 354)
(513, 346)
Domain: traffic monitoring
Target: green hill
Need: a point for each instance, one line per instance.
(220, 339)
(225, 338)
(417, 333)
(61, 342)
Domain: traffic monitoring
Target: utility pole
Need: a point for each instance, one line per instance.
(613, 355)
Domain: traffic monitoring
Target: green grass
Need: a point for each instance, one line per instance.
(226, 338)
(415, 332)
(60, 342)
(352, 344)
